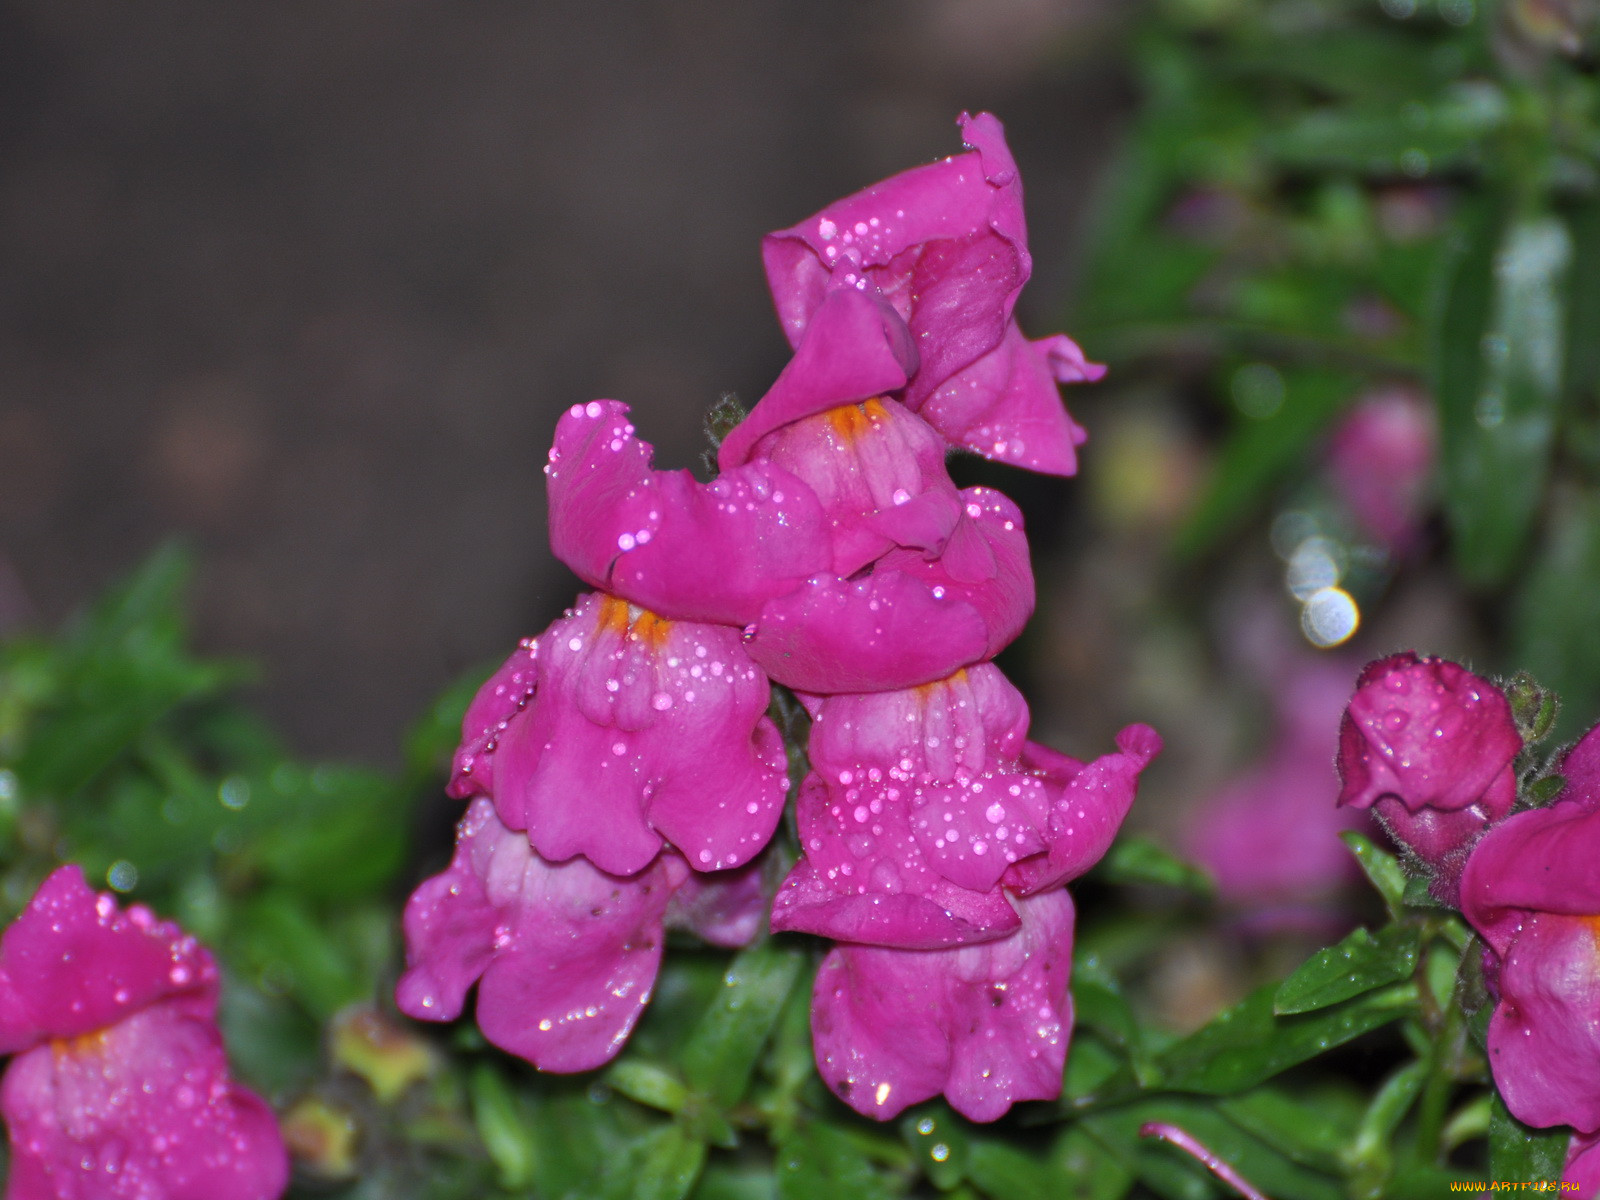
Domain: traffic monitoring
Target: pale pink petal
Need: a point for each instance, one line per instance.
(567, 954)
(724, 908)
(142, 1108)
(1583, 1167)
(685, 550)
(987, 1025)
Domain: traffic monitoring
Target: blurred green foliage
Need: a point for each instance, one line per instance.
(1323, 197)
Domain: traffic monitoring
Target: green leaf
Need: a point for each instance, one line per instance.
(1260, 454)
(1497, 381)
(1098, 1004)
(1004, 1172)
(503, 1124)
(938, 1141)
(722, 1052)
(1520, 1152)
(1248, 1043)
(1382, 869)
(1310, 1129)
(1160, 1166)
(662, 1165)
(819, 1160)
(645, 1083)
(1087, 1170)
(1137, 860)
(1371, 1156)
(1357, 964)
(1553, 616)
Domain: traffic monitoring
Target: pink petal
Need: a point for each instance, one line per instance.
(987, 1025)
(1583, 1166)
(1580, 766)
(909, 621)
(864, 877)
(879, 473)
(929, 733)
(1006, 405)
(567, 954)
(73, 963)
(1544, 1037)
(689, 551)
(142, 1108)
(1090, 810)
(1542, 860)
(660, 726)
(855, 349)
(722, 907)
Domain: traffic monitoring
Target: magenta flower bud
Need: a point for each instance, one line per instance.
(986, 1025)
(1380, 459)
(1530, 888)
(564, 955)
(120, 1085)
(659, 726)
(689, 551)
(1429, 747)
(945, 245)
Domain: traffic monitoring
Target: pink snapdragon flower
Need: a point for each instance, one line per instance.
(927, 804)
(119, 1089)
(1530, 888)
(1428, 746)
(987, 1025)
(925, 579)
(1380, 460)
(946, 245)
(659, 726)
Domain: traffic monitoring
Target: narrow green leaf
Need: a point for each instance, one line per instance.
(1248, 1043)
(1357, 964)
(1272, 1172)
(1497, 380)
(1553, 616)
(1137, 860)
(1310, 1129)
(722, 1052)
(648, 1084)
(1004, 1172)
(504, 1127)
(1522, 1153)
(1382, 869)
(818, 1160)
(1099, 1004)
(662, 1165)
(1371, 1157)
(1086, 1169)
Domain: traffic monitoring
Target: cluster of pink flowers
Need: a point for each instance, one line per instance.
(1432, 749)
(621, 768)
(119, 1089)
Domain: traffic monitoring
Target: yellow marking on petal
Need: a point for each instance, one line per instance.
(651, 629)
(613, 615)
(853, 421)
(82, 1046)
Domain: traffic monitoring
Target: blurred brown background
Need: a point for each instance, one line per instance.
(307, 283)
